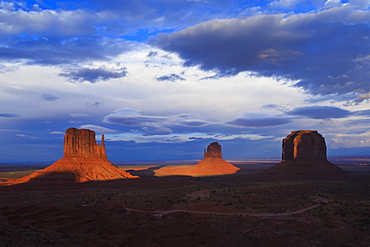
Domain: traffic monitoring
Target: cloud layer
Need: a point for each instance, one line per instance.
(326, 52)
(166, 78)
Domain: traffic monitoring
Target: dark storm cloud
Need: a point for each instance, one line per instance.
(49, 97)
(258, 122)
(171, 77)
(327, 51)
(94, 75)
(5, 114)
(320, 112)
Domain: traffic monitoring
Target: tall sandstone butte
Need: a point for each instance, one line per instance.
(304, 154)
(81, 143)
(213, 150)
(84, 160)
(211, 165)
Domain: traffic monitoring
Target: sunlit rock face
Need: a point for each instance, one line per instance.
(81, 143)
(213, 150)
(84, 160)
(304, 154)
(211, 165)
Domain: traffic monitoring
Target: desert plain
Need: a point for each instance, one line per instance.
(247, 208)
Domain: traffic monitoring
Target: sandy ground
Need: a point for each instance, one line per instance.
(244, 209)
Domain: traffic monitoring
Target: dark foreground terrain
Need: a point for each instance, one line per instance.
(243, 209)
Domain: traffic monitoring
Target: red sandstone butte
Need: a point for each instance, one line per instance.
(84, 160)
(211, 165)
(304, 154)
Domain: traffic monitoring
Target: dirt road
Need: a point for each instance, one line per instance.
(159, 214)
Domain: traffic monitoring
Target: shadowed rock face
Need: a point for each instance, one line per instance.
(304, 154)
(84, 160)
(211, 165)
(304, 145)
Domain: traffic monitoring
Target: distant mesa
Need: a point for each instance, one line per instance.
(211, 165)
(84, 160)
(304, 154)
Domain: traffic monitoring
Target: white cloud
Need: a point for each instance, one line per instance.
(350, 140)
(57, 132)
(285, 4)
(330, 3)
(98, 129)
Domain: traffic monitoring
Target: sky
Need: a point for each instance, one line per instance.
(162, 79)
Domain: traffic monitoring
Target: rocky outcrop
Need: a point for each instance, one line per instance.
(213, 150)
(211, 165)
(84, 160)
(81, 143)
(304, 145)
(304, 154)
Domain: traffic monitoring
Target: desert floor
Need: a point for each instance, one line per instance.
(243, 209)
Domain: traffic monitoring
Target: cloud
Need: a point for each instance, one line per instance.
(98, 129)
(58, 50)
(258, 122)
(49, 97)
(63, 22)
(362, 113)
(57, 132)
(8, 115)
(94, 75)
(52, 37)
(324, 52)
(352, 140)
(159, 131)
(320, 112)
(10, 130)
(360, 98)
(94, 104)
(132, 117)
(171, 77)
(79, 115)
(181, 137)
(26, 136)
(193, 123)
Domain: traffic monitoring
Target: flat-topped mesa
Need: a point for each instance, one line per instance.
(81, 143)
(304, 145)
(304, 155)
(213, 150)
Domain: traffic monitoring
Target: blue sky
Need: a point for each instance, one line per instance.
(163, 79)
